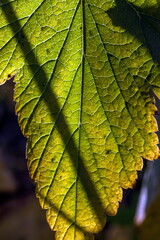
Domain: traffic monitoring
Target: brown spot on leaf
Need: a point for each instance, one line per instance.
(108, 152)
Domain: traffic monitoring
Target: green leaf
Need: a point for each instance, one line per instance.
(84, 71)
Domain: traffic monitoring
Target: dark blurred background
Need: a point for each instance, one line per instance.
(21, 217)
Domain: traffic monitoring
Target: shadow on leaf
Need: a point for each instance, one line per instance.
(51, 102)
(139, 24)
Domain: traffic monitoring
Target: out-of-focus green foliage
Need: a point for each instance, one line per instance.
(84, 73)
(149, 229)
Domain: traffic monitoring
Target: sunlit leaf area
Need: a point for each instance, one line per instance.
(79, 103)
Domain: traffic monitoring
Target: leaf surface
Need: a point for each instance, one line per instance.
(85, 71)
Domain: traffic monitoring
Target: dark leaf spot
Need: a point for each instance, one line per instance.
(108, 152)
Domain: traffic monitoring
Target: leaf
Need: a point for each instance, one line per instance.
(84, 72)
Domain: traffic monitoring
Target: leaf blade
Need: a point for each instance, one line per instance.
(81, 109)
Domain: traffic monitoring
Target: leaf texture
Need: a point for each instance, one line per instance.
(85, 71)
